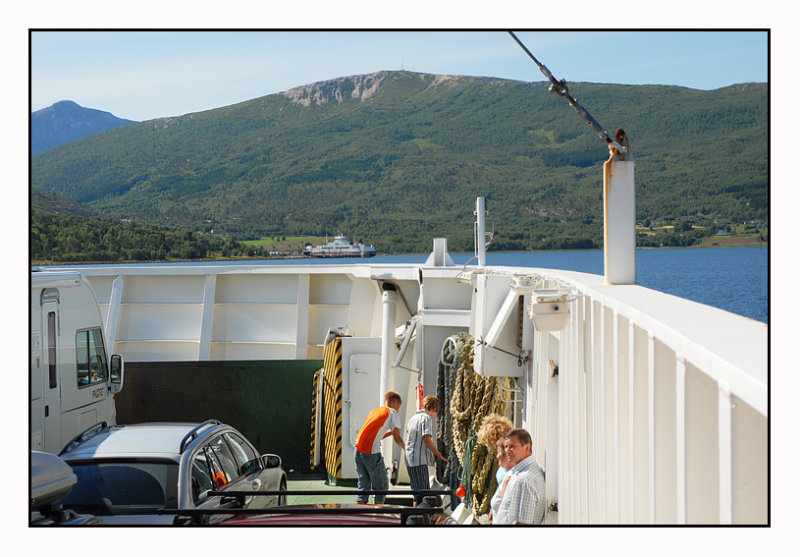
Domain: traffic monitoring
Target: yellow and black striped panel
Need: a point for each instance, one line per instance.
(332, 389)
(312, 449)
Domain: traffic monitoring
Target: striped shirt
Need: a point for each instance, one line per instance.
(417, 453)
(524, 499)
(378, 422)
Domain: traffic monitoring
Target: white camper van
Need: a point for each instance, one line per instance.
(73, 382)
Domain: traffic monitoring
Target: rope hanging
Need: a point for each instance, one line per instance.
(449, 362)
(469, 398)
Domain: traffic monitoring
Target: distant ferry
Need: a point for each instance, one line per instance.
(340, 247)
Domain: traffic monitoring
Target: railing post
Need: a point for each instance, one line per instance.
(725, 448)
(680, 436)
(619, 201)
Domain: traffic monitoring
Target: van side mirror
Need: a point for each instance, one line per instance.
(117, 373)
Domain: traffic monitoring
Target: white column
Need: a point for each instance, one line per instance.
(207, 319)
(112, 317)
(301, 334)
(619, 199)
(389, 300)
(480, 234)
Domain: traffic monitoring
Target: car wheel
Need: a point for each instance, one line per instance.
(282, 498)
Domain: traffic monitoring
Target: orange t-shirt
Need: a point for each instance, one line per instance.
(378, 422)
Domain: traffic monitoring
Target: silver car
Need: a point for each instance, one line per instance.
(128, 473)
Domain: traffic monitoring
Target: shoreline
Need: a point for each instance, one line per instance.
(35, 263)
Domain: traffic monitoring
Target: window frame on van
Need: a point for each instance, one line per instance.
(52, 349)
(95, 334)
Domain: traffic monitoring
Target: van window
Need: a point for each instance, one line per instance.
(92, 366)
(51, 349)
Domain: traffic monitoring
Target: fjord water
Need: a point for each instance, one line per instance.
(733, 278)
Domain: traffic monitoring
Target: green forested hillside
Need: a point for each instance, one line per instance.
(397, 158)
(71, 238)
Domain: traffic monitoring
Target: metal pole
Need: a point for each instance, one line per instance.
(619, 197)
(389, 300)
(560, 88)
(480, 235)
(619, 201)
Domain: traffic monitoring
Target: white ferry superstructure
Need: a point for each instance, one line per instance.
(658, 413)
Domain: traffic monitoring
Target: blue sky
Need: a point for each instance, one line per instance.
(152, 74)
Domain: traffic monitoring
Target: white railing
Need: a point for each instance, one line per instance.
(657, 414)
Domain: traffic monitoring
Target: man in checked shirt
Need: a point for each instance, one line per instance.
(523, 495)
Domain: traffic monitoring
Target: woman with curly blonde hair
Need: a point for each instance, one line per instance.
(491, 433)
(493, 428)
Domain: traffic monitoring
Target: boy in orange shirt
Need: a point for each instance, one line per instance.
(380, 423)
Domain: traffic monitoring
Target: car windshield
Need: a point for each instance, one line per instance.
(123, 487)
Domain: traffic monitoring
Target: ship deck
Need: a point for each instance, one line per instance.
(313, 481)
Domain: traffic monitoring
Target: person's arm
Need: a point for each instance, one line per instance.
(429, 443)
(397, 438)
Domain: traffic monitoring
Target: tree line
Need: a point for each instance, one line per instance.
(66, 238)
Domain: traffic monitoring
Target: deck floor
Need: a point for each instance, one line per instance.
(318, 482)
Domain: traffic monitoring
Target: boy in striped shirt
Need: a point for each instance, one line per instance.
(420, 448)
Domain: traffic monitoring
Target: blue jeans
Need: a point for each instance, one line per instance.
(371, 472)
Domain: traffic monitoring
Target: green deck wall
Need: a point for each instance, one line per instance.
(269, 401)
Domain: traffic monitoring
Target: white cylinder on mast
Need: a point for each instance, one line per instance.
(480, 233)
(619, 201)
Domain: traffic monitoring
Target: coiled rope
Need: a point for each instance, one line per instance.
(469, 398)
(449, 363)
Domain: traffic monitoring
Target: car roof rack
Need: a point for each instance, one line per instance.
(192, 435)
(83, 436)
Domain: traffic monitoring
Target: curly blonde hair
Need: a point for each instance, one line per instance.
(494, 428)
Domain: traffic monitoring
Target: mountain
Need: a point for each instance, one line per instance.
(397, 158)
(53, 204)
(66, 121)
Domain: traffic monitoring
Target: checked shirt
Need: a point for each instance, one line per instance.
(524, 499)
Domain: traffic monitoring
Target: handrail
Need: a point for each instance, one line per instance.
(428, 507)
(424, 492)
